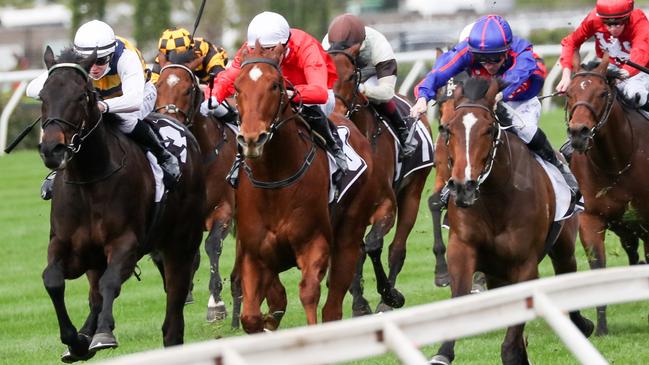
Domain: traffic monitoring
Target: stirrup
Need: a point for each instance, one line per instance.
(444, 195)
(341, 160)
(48, 186)
(169, 164)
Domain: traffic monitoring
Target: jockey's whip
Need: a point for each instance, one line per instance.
(550, 95)
(634, 65)
(198, 17)
(22, 135)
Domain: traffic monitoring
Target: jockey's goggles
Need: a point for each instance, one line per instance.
(100, 61)
(615, 21)
(486, 58)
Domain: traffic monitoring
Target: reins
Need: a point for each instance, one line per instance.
(173, 108)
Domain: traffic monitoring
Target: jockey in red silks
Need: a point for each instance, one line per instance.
(305, 65)
(622, 32)
(491, 50)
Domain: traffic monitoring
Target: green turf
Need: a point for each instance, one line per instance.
(29, 332)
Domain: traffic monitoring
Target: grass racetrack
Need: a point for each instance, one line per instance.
(29, 331)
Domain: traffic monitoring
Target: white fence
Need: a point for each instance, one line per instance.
(403, 332)
(418, 58)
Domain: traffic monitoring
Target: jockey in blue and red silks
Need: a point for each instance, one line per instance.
(489, 51)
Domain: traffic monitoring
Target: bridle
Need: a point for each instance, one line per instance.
(274, 126)
(80, 131)
(193, 102)
(601, 117)
(351, 105)
(495, 142)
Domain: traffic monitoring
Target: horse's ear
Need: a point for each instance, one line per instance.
(458, 93)
(48, 57)
(355, 50)
(278, 51)
(193, 64)
(245, 53)
(576, 61)
(87, 62)
(162, 59)
(603, 66)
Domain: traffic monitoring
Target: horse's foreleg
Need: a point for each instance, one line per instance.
(178, 271)
(255, 280)
(360, 306)
(277, 302)
(214, 246)
(313, 263)
(435, 205)
(122, 258)
(94, 298)
(54, 281)
(591, 231)
(512, 350)
(344, 257)
(628, 240)
(235, 290)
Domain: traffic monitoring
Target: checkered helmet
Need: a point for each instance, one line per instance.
(178, 40)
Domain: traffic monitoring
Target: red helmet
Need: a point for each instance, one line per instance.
(614, 8)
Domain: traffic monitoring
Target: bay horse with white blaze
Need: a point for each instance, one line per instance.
(402, 195)
(610, 164)
(501, 210)
(179, 95)
(283, 213)
(102, 209)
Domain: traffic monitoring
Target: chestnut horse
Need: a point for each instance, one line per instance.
(179, 94)
(609, 163)
(283, 214)
(101, 217)
(402, 196)
(501, 210)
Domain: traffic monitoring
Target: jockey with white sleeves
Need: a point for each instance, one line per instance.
(376, 52)
(622, 32)
(118, 77)
(491, 50)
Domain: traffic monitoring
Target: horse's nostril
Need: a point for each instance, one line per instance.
(241, 140)
(263, 137)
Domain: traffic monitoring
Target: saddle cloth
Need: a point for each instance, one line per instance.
(565, 208)
(355, 164)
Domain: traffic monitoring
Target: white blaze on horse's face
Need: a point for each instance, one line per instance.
(255, 73)
(584, 84)
(172, 80)
(469, 121)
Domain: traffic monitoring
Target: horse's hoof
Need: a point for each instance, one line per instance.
(102, 341)
(362, 309)
(382, 307)
(393, 298)
(586, 327)
(190, 298)
(601, 331)
(479, 283)
(68, 357)
(442, 280)
(439, 360)
(217, 313)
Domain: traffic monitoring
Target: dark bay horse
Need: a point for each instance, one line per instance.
(501, 210)
(402, 196)
(179, 95)
(102, 209)
(283, 215)
(610, 164)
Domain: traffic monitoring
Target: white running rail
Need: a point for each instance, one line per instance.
(403, 332)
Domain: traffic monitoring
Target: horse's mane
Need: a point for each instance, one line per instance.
(112, 121)
(611, 74)
(69, 55)
(181, 58)
(475, 88)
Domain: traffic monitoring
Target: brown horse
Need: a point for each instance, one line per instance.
(501, 210)
(283, 215)
(102, 221)
(179, 94)
(402, 195)
(609, 164)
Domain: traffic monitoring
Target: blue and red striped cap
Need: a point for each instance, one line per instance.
(490, 34)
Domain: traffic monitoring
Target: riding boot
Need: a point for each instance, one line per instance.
(566, 150)
(391, 112)
(143, 135)
(48, 186)
(542, 147)
(327, 130)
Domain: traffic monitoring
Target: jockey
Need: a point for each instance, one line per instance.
(622, 32)
(348, 30)
(178, 41)
(491, 50)
(118, 77)
(305, 65)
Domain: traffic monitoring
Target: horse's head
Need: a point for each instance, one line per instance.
(447, 95)
(349, 78)
(178, 89)
(471, 136)
(590, 97)
(69, 110)
(261, 98)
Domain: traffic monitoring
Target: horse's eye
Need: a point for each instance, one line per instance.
(275, 86)
(604, 94)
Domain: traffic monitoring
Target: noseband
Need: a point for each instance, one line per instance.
(495, 142)
(352, 106)
(172, 108)
(80, 131)
(602, 117)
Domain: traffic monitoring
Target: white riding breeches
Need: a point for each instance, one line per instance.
(636, 88)
(148, 104)
(525, 117)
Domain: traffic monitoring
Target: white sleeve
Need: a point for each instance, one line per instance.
(325, 42)
(381, 91)
(131, 75)
(36, 85)
(380, 48)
